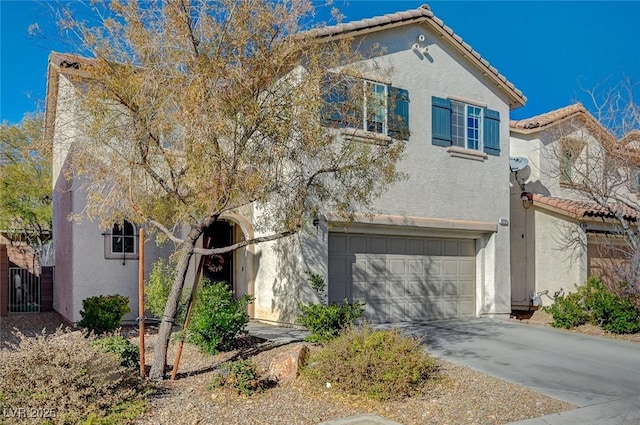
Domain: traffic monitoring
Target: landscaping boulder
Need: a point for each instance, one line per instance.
(286, 367)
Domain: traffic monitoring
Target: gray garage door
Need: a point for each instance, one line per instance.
(403, 278)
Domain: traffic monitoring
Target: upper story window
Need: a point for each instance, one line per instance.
(466, 121)
(121, 241)
(370, 106)
(569, 152)
(466, 126)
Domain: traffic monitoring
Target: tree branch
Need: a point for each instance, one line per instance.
(242, 244)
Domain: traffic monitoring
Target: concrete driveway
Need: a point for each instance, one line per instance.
(600, 375)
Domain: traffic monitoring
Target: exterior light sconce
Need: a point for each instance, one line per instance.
(419, 47)
(526, 197)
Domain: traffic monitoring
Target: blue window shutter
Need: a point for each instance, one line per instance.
(491, 132)
(440, 121)
(398, 113)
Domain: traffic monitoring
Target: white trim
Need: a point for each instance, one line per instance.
(458, 152)
(467, 101)
(411, 226)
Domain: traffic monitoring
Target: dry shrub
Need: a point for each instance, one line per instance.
(381, 364)
(64, 378)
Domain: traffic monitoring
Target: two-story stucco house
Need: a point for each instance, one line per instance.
(437, 244)
(559, 235)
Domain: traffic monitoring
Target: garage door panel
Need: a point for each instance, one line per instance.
(357, 244)
(450, 308)
(369, 289)
(434, 288)
(433, 310)
(434, 267)
(376, 312)
(450, 288)
(450, 267)
(397, 246)
(450, 248)
(466, 288)
(397, 267)
(415, 267)
(417, 289)
(377, 267)
(434, 247)
(404, 278)
(468, 248)
(338, 268)
(415, 247)
(396, 290)
(339, 291)
(378, 245)
(466, 308)
(338, 244)
(467, 268)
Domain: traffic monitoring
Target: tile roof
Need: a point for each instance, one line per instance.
(583, 209)
(548, 118)
(423, 14)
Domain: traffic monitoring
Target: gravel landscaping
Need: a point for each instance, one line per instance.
(458, 396)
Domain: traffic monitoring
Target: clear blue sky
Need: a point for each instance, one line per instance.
(549, 50)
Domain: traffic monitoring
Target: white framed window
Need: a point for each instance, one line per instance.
(466, 126)
(365, 105)
(455, 123)
(121, 242)
(375, 107)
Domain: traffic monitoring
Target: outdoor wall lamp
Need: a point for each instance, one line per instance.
(419, 47)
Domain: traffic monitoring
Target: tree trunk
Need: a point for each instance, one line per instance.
(166, 324)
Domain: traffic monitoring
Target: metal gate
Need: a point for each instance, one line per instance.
(24, 291)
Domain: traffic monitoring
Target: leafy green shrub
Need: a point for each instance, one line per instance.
(243, 377)
(70, 376)
(568, 311)
(217, 318)
(103, 313)
(156, 291)
(381, 364)
(593, 302)
(612, 312)
(127, 352)
(325, 322)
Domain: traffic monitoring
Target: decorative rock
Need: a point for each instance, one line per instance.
(286, 367)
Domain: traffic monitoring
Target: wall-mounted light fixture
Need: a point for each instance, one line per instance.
(419, 47)
(527, 197)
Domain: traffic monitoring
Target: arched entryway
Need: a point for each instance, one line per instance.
(235, 267)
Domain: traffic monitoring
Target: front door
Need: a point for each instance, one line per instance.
(219, 268)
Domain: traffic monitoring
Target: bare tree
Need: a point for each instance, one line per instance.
(192, 110)
(598, 161)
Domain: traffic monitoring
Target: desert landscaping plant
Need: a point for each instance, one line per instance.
(325, 322)
(217, 317)
(127, 352)
(242, 376)
(103, 313)
(593, 302)
(380, 364)
(158, 287)
(71, 379)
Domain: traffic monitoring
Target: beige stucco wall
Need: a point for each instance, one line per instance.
(440, 185)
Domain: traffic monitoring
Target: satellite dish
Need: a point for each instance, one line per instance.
(517, 163)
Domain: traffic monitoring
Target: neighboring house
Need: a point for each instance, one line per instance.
(560, 237)
(437, 245)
